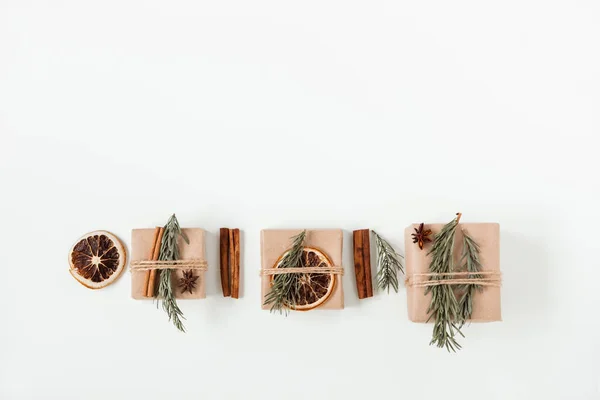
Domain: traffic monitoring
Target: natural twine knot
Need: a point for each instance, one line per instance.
(482, 278)
(302, 270)
(146, 265)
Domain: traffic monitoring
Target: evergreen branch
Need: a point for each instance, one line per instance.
(470, 263)
(284, 288)
(444, 307)
(169, 303)
(388, 264)
(169, 251)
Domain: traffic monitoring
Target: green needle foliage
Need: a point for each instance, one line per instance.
(169, 251)
(388, 264)
(470, 263)
(284, 290)
(444, 307)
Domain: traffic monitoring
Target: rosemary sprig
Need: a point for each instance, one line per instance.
(444, 307)
(284, 290)
(388, 264)
(169, 251)
(470, 263)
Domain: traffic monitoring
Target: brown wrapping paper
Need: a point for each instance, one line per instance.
(141, 244)
(486, 304)
(274, 242)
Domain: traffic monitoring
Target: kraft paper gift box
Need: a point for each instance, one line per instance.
(486, 303)
(141, 246)
(275, 242)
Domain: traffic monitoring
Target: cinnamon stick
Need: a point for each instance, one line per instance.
(362, 263)
(147, 275)
(359, 270)
(224, 244)
(235, 264)
(231, 252)
(367, 261)
(151, 288)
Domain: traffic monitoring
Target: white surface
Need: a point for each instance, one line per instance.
(340, 114)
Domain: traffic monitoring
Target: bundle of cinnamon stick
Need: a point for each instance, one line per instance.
(230, 262)
(150, 277)
(362, 262)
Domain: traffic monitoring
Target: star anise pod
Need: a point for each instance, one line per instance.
(188, 282)
(421, 236)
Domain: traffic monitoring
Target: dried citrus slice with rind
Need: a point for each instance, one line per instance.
(313, 288)
(97, 259)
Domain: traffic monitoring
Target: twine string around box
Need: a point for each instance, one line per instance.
(146, 265)
(486, 278)
(302, 270)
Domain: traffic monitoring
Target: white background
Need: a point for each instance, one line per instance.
(279, 114)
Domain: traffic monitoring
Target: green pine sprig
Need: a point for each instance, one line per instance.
(169, 251)
(389, 263)
(444, 307)
(284, 289)
(469, 263)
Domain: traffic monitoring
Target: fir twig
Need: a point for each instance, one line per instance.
(284, 289)
(169, 251)
(444, 307)
(470, 263)
(388, 264)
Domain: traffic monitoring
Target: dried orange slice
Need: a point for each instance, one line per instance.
(313, 288)
(97, 259)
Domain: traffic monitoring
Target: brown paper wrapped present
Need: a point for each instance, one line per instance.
(486, 304)
(275, 242)
(141, 246)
